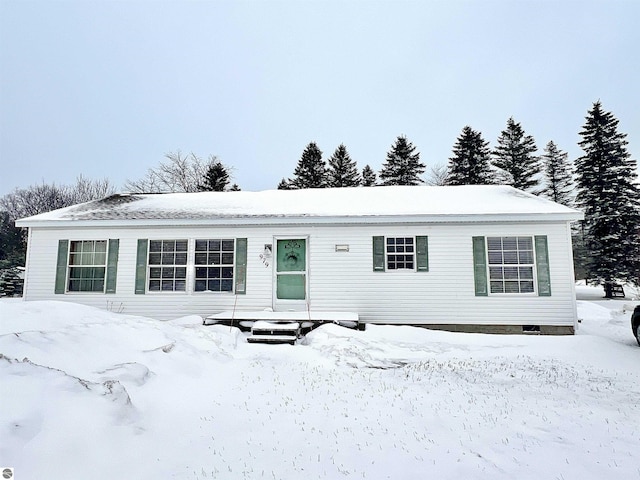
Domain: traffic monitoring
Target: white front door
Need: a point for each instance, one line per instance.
(291, 274)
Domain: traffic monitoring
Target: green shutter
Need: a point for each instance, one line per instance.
(542, 266)
(378, 254)
(241, 265)
(141, 266)
(112, 265)
(422, 254)
(480, 267)
(61, 268)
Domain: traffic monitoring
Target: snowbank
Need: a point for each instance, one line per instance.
(94, 394)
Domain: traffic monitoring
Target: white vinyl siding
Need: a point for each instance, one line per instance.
(338, 280)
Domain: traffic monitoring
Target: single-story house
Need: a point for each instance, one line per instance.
(471, 258)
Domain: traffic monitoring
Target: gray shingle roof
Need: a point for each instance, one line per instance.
(392, 201)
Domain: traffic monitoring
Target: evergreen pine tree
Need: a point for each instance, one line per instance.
(558, 187)
(342, 171)
(368, 177)
(12, 246)
(515, 155)
(557, 175)
(402, 166)
(285, 184)
(470, 164)
(606, 179)
(311, 171)
(216, 178)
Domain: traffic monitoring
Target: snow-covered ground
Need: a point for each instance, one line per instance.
(86, 393)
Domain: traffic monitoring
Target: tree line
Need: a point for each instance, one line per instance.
(36, 199)
(177, 173)
(602, 182)
(513, 162)
(402, 167)
(180, 173)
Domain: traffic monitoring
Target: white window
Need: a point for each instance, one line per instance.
(167, 265)
(214, 265)
(400, 253)
(87, 266)
(511, 264)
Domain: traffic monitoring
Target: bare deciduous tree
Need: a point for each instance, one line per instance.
(86, 190)
(36, 199)
(25, 202)
(437, 175)
(178, 173)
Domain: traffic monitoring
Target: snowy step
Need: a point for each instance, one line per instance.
(275, 328)
(265, 325)
(280, 332)
(272, 339)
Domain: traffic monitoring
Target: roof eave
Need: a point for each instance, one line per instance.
(308, 220)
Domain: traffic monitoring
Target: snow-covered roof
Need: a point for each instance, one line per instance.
(322, 205)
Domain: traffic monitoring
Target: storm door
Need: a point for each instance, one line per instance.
(291, 274)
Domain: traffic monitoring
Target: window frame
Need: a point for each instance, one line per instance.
(162, 266)
(80, 266)
(221, 265)
(397, 254)
(420, 253)
(518, 265)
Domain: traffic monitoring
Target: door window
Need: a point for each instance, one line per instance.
(291, 260)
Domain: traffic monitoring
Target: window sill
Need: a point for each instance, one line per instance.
(84, 293)
(212, 292)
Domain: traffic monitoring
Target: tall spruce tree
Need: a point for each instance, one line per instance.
(558, 180)
(558, 186)
(311, 171)
(515, 155)
(607, 187)
(368, 177)
(215, 179)
(342, 170)
(470, 164)
(402, 166)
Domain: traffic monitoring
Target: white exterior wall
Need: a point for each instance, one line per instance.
(339, 281)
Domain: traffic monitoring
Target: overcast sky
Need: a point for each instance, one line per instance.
(106, 88)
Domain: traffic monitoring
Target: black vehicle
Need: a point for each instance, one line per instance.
(635, 323)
